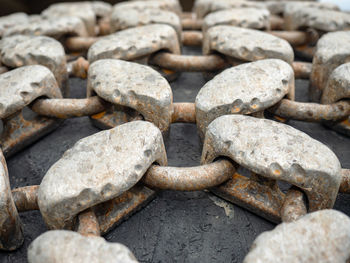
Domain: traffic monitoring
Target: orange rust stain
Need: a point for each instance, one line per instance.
(235, 109)
(277, 172)
(99, 115)
(168, 71)
(280, 118)
(346, 122)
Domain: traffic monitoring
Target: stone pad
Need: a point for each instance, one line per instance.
(12, 20)
(17, 51)
(318, 237)
(246, 44)
(133, 18)
(135, 86)
(61, 246)
(135, 43)
(169, 5)
(319, 19)
(204, 7)
(19, 87)
(241, 17)
(56, 27)
(11, 236)
(332, 50)
(98, 168)
(278, 151)
(279, 7)
(82, 10)
(244, 89)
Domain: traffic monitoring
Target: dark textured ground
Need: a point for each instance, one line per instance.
(176, 226)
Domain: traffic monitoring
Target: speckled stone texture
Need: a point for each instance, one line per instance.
(61, 246)
(21, 86)
(56, 27)
(278, 151)
(135, 43)
(204, 7)
(12, 20)
(338, 88)
(17, 51)
(332, 50)
(244, 89)
(86, 11)
(135, 86)
(11, 235)
(279, 7)
(246, 44)
(319, 237)
(241, 17)
(169, 5)
(319, 19)
(98, 168)
(338, 85)
(131, 17)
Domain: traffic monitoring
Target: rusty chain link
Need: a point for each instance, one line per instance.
(248, 51)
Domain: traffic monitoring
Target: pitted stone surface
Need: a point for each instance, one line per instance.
(244, 89)
(17, 51)
(135, 43)
(133, 18)
(12, 20)
(55, 27)
(19, 87)
(332, 50)
(279, 7)
(135, 86)
(169, 5)
(338, 86)
(98, 168)
(246, 44)
(204, 7)
(11, 236)
(319, 19)
(278, 151)
(318, 237)
(82, 10)
(240, 17)
(101, 9)
(61, 246)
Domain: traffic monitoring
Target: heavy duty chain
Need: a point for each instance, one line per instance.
(127, 53)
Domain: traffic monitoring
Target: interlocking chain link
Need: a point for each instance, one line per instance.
(128, 53)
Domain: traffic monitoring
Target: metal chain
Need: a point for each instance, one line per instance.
(100, 210)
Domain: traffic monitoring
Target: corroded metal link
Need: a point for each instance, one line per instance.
(189, 63)
(68, 108)
(302, 70)
(276, 22)
(175, 62)
(26, 198)
(295, 38)
(184, 112)
(192, 38)
(345, 183)
(294, 205)
(80, 43)
(78, 68)
(313, 112)
(191, 24)
(189, 178)
(88, 223)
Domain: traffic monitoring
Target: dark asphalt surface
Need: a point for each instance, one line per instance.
(176, 226)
